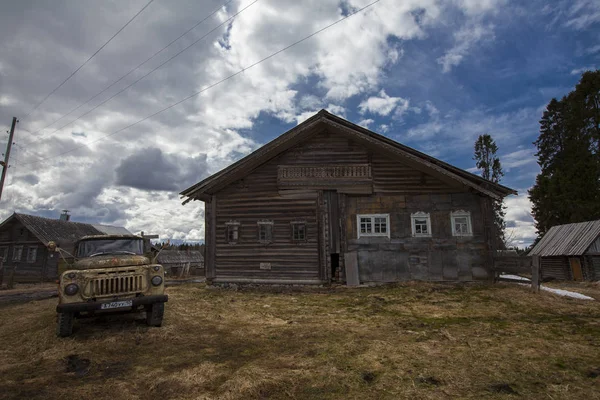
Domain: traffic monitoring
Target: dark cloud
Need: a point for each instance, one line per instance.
(151, 169)
(30, 179)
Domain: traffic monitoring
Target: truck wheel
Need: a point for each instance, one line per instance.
(154, 314)
(64, 327)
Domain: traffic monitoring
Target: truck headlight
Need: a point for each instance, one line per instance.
(71, 275)
(157, 280)
(71, 289)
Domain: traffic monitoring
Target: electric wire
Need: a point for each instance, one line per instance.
(213, 84)
(149, 72)
(131, 71)
(88, 60)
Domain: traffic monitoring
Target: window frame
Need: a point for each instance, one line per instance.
(29, 248)
(262, 223)
(293, 225)
(420, 215)
(461, 214)
(20, 249)
(235, 226)
(4, 253)
(373, 233)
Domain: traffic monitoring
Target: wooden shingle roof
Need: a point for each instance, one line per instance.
(567, 240)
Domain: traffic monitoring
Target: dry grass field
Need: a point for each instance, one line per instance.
(415, 341)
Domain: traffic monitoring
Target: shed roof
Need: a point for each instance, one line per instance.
(180, 256)
(112, 230)
(325, 120)
(567, 240)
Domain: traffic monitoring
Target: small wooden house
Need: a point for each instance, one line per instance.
(175, 260)
(570, 252)
(24, 239)
(330, 201)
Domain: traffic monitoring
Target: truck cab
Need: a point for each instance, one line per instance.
(111, 274)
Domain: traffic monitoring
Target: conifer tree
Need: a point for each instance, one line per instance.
(491, 169)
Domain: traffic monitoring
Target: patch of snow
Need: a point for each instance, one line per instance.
(561, 292)
(514, 277)
(567, 293)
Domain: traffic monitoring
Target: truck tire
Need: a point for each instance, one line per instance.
(154, 314)
(64, 326)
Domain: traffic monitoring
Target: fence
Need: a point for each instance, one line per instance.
(513, 264)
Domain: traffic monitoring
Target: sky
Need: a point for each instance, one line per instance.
(430, 74)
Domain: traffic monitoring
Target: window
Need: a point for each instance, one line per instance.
(3, 253)
(298, 231)
(265, 231)
(31, 254)
(461, 223)
(17, 253)
(232, 232)
(373, 225)
(421, 224)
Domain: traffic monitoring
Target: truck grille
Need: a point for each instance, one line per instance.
(116, 285)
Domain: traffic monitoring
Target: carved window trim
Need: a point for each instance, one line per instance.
(3, 253)
(371, 223)
(417, 228)
(299, 232)
(17, 253)
(461, 214)
(265, 231)
(232, 232)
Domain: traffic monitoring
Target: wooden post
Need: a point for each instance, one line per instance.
(535, 273)
(11, 278)
(1, 271)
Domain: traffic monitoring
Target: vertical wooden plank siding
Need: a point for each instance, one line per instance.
(210, 229)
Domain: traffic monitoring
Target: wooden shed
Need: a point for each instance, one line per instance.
(174, 260)
(570, 252)
(332, 201)
(24, 239)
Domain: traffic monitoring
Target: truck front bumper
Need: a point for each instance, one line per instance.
(97, 305)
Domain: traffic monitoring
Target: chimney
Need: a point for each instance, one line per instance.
(65, 215)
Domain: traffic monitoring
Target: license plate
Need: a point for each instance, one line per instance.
(116, 304)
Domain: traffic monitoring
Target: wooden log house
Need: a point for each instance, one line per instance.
(24, 239)
(330, 199)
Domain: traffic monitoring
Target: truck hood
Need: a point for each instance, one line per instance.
(110, 261)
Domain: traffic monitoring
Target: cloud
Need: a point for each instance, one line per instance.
(365, 122)
(518, 158)
(383, 104)
(579, 71)
(520, 230)
(582, 13)
(464, 41)
(151, 169)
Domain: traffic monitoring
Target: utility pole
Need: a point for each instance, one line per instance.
(7, 154)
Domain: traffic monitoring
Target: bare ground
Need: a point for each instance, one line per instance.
(417, 341)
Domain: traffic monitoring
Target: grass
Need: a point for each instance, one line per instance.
(415, 340)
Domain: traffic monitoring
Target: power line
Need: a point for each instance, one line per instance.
(88, 60)
(213, 84)
(151, 71)
(129, 73)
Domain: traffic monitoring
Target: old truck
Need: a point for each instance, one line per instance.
(111, 274)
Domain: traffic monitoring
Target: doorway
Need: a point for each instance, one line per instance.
(576, 269)
(335, 266)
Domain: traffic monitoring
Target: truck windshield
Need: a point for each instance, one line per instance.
(91, 248)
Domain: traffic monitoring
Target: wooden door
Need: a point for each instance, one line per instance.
(576, 269)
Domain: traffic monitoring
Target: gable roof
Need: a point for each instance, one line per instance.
(325, 120)
(567, 240)
(64, 233)
(112, 230)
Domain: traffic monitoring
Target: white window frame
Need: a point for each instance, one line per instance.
(3, 253)
(420, 215)
(232, 225)
(461, 214)
(372, 217)
(35, 248)
(265, 222)
(20, 253)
